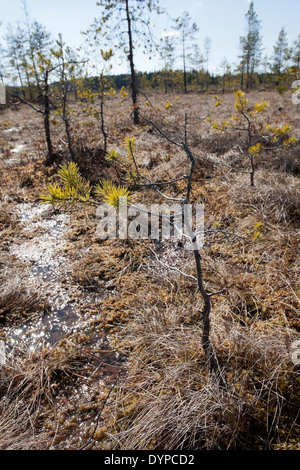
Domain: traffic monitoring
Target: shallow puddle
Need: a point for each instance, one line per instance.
(47, 272)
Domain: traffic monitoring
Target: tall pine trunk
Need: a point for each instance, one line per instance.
(50, 154)
(132, 69)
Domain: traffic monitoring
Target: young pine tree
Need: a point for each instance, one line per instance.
(125, 24)
(281, 53)
(187, 31)
(296, 52)
(251, 47)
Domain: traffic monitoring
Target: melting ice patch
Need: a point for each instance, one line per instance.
(18, 148)
(11, 129)
(48, 266)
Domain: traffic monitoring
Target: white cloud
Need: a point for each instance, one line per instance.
(169, 34)
(198, 3)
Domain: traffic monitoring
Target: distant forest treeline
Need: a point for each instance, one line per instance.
(169, 82)
(33, 64)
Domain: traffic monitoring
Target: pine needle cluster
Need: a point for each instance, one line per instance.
(73, 189)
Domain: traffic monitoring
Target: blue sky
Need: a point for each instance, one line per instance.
(222, 20)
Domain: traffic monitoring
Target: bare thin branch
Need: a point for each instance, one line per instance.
(172, 268)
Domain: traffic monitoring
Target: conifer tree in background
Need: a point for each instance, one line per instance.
(296, 52)
(37, 42)
(52, 65)
(251, 47)
(207, 51)
(2, 66)
(24, 44)
(64, 81)
(265, 70)
(167, 54)
(187, 32)
(2, 73)
(197, 60)
(15, 40)
(281, 53)
(225, 67)
(126, 24)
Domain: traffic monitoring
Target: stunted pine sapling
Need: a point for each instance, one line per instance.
(75, 190)
(259, 137)
(97, 98)
(186, 31)
(65, 69)
(48, 66)
(45, 68)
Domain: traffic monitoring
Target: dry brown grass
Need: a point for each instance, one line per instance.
(165, 399)
(50, 399)
(168, 401)
(18, 302)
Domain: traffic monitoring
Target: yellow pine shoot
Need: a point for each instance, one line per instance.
(73, 187)
(254, 149)
(111, 193)
(123, 92)
(260, 107)
(111, 156)
(241, 102)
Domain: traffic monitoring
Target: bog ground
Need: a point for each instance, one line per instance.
(100, 340)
